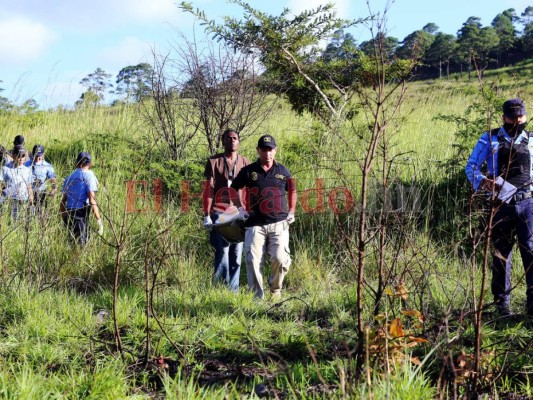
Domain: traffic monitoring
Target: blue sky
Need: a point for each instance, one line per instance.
(47, 47)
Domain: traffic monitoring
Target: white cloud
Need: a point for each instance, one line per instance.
(55, 93)
(23, 40)
(148, 10)
(341, 6)
(130, 51)
(87, 16)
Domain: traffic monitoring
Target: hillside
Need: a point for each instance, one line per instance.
(134, 314)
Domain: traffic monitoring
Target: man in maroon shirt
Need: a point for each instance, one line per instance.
(220, 171)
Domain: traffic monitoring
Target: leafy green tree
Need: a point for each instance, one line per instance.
(476, 43)
(341, 47)
(488, 42)
(96, 83)
(290, 50)
(135, 81)
(527, 38)
(389, 43)
(466, 39)
(415, 45)
(442, 51)
(5, 104)
(88, 99)
(28, 107)
(431, 28)
(503, 24)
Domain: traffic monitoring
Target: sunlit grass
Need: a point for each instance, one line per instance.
(53, 346)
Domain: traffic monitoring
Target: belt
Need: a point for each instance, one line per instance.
(522, 196)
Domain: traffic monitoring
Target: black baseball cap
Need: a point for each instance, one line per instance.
(266, 141)
(18, 141)
(514, 108)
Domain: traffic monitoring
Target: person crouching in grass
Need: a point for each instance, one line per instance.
(16, 180)
(79, 199)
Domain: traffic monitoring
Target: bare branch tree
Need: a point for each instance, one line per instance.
(172, 118)
(224, 88)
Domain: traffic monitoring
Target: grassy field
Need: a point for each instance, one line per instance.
(179, 336)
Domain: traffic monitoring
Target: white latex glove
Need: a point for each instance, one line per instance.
(207, 222)
(243, 214)
(100, 227)
(290, 217)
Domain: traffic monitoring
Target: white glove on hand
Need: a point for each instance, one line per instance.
(100, 227)
(207, 222)
(290, 217)
(243, 214)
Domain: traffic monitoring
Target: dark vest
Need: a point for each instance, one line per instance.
(514, 161)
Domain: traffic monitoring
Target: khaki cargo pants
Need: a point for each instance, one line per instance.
(271, 239)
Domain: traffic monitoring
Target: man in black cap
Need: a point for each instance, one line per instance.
(507, 153)
(271, 202)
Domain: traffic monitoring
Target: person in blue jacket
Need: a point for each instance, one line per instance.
(504, 155)
(43, 173)
(16, 182)
(79, 198)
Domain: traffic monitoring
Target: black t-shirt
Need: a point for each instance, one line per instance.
(266, 192)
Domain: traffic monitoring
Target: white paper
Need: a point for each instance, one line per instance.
(506, 190)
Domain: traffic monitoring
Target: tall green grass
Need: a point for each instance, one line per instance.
(53, 346)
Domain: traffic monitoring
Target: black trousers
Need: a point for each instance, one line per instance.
(78, 224)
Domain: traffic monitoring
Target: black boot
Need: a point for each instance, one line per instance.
(504, 311)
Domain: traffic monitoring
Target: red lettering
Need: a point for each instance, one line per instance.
(270, 204)
(348, 200)
(226, 195)
(132, 196)
(186, 194)
(319, 198)
(158, 195)
(251, 197)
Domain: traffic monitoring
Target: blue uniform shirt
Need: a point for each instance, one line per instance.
(41, 173)
(77, 187)
(17, 180)
(486, 151)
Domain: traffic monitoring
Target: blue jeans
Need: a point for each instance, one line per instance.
(227, 263)
(512, 223)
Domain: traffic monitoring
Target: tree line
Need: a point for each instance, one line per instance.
(506, 41)
(501, 44)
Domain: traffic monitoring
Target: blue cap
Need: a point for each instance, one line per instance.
(83, 158)
(18, 141)
(38, 150)
(19, 151)
(514, 108)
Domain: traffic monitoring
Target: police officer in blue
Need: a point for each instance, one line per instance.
(507, 153)
(43, 172)
(79, 198)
